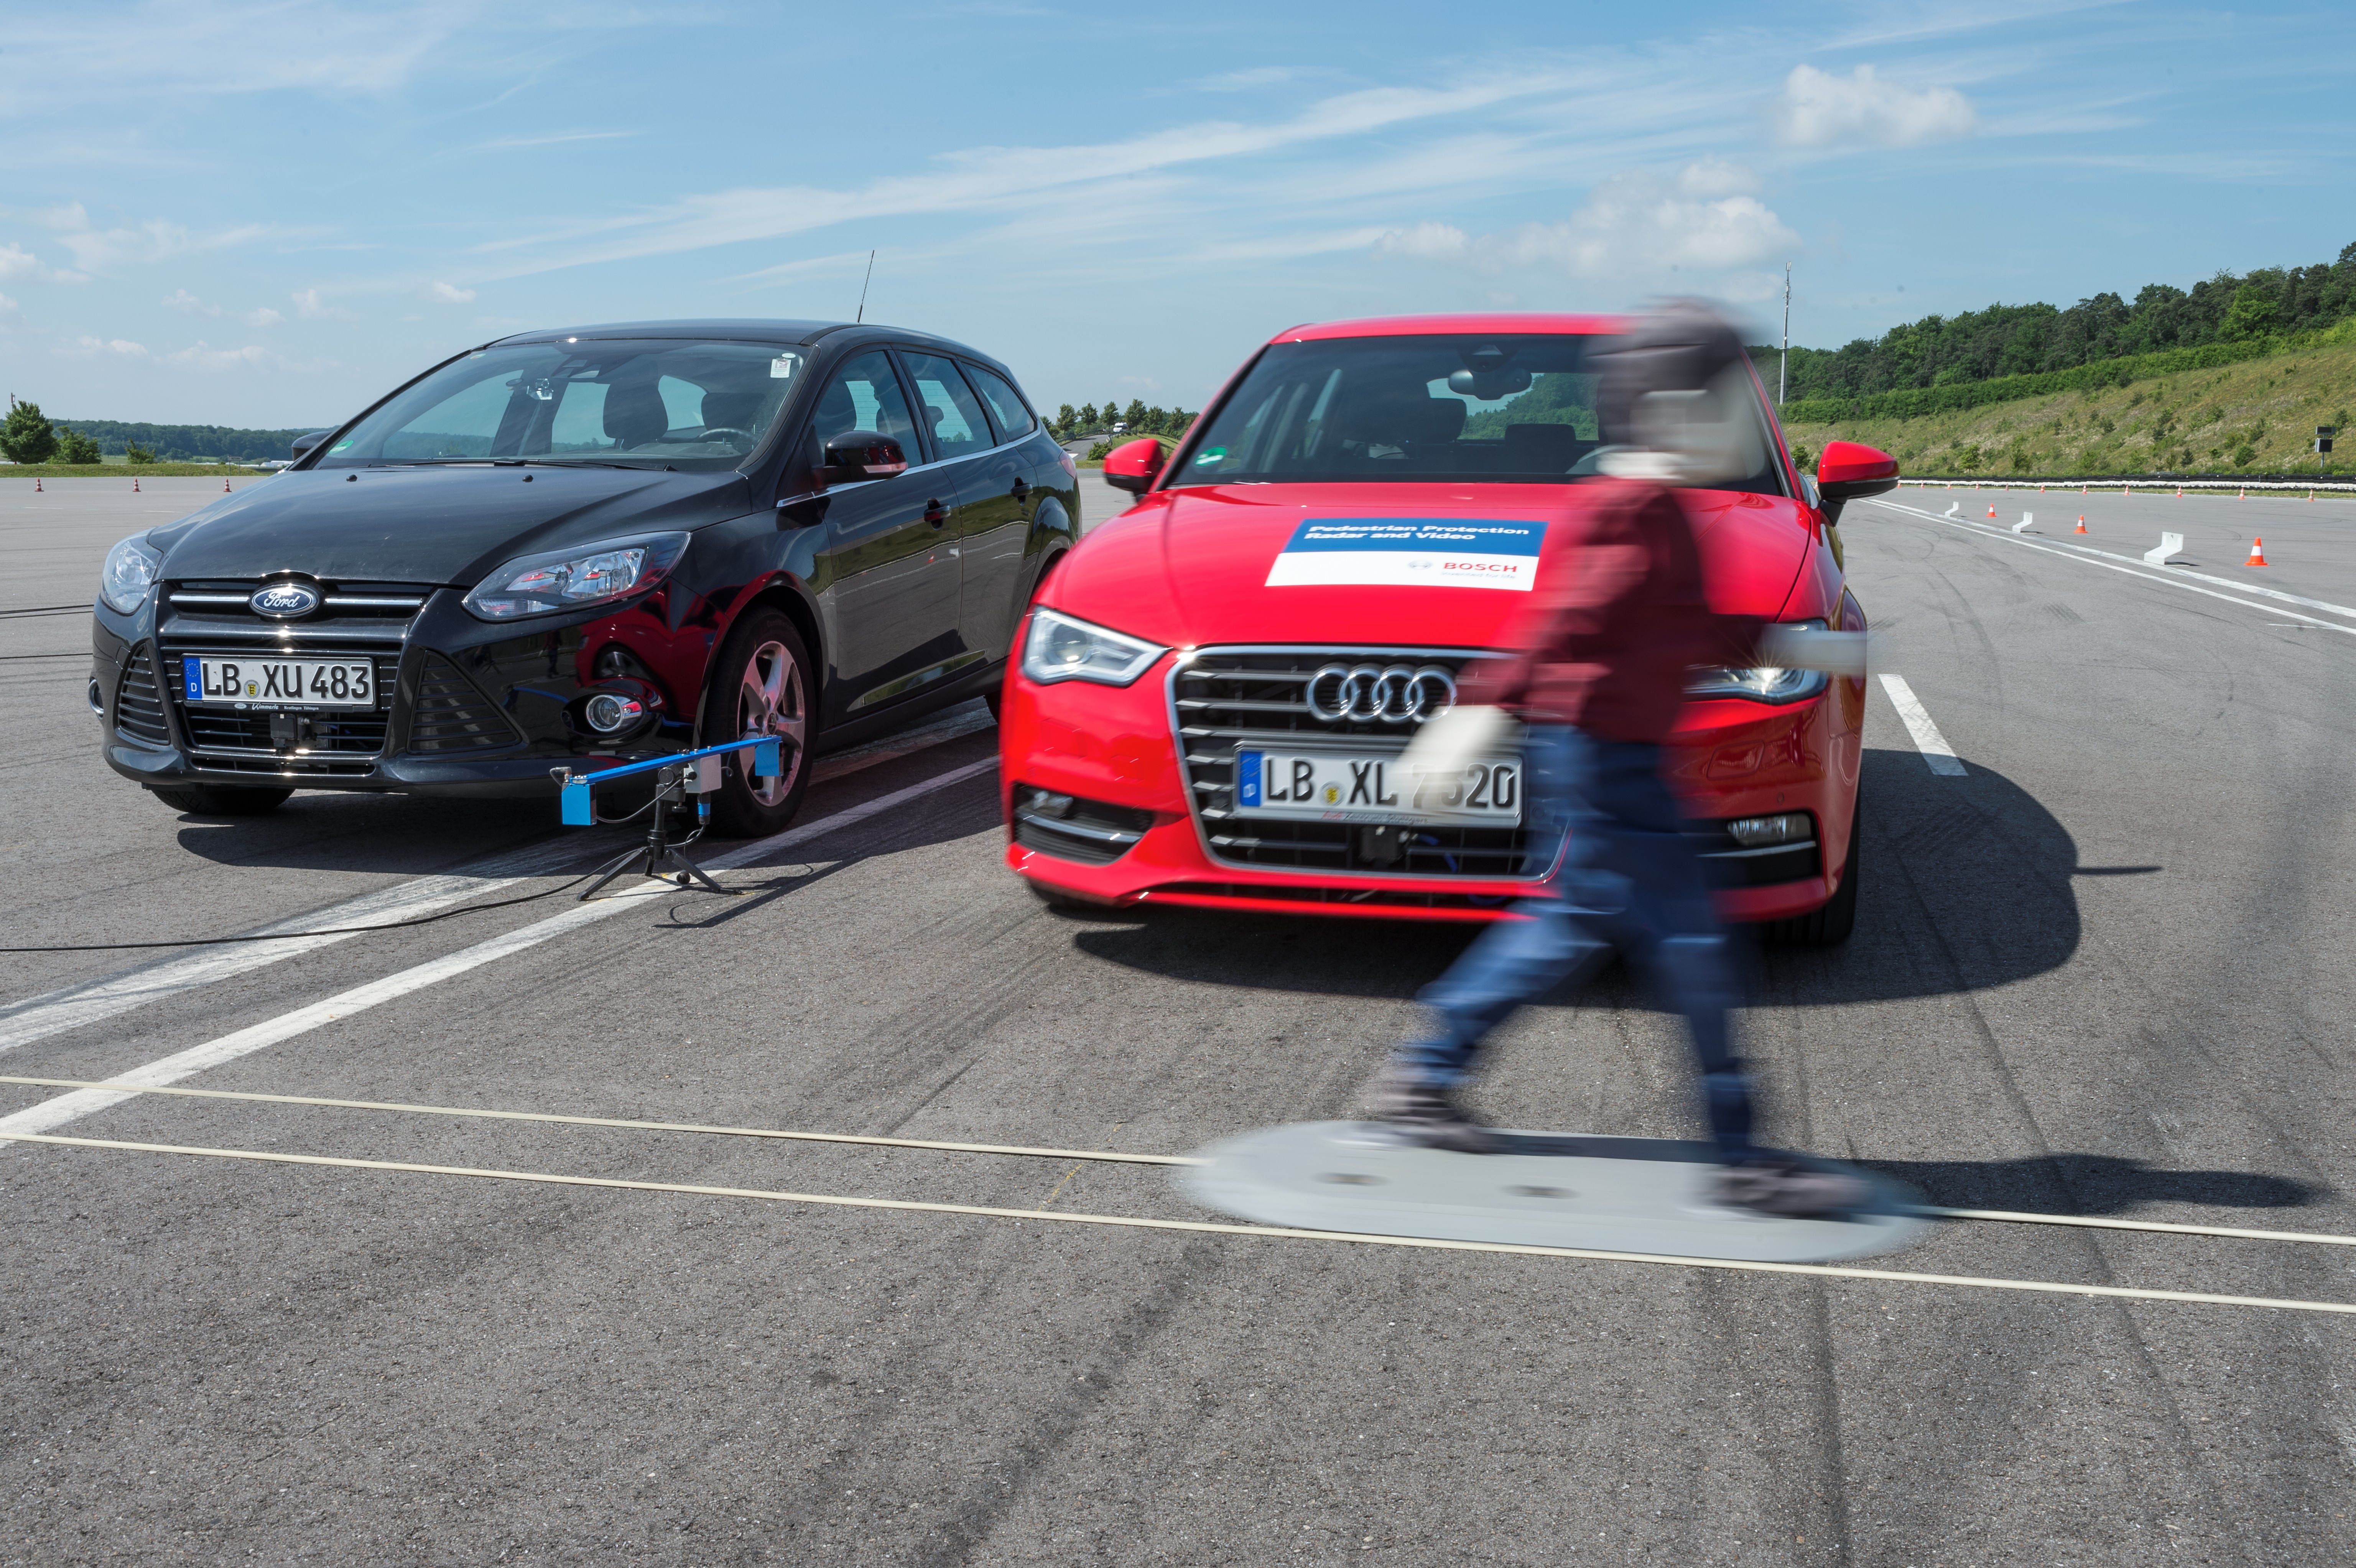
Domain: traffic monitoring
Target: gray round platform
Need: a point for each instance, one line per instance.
(1546, 1189)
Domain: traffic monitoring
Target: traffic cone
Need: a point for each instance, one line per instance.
(2257, 554)
(1991, 514)
(36, 484)
(2081, 524)
(134, 486)
(2179, 492)
(224, 485)
(2244, 494)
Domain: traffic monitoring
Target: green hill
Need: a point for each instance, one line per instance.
(177, 442)
(2221, 409)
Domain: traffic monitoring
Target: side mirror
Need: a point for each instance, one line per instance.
(305, 442)
(857, 454)
(1848, 472)
(1133, 466)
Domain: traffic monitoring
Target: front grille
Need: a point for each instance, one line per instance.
(216, 610)
(139, 702)
(1070, 827)
(1223, 698)
(449, 714)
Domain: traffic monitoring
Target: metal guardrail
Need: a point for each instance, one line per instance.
(2128, 484)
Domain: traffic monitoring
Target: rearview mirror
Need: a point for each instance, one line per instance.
(1848, 472)
(305, 442)
(857, 454)
(1133, 465)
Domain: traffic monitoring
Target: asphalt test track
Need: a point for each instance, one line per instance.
(2105, 973)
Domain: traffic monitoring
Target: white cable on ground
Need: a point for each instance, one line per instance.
(1822, 1270)
(1106, 1156)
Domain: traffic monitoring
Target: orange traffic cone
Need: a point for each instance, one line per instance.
(2244, 495)
(36, 484)
(134, 486)
(1991, 514)
(224, 486)
(2179, 492)
(2082, 523)
(2257, 554)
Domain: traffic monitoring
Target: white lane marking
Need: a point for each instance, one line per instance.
(2174, 579)
(1927, 738)
(907, 743)
(95, 1001)
(245, 1042)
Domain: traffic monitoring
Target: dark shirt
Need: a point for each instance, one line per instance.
(1618, 620)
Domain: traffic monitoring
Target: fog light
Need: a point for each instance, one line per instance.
(1049, 804)
(609, 711)
(1754, 833)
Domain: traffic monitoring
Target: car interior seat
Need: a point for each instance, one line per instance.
(1544, 449)
(635, 414)
(732, 410)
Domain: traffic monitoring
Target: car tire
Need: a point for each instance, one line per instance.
(761, 684)
(1830, 926)
(221, 800)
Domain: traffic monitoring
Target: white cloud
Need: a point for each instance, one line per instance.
(1817, 110)
(1634, 225)
(86, 346)
(19, 263)
(310, 307)
(265, 316)
(7, 305)
(558, 138)
(205, 356)
(188, 304)
(445, 294)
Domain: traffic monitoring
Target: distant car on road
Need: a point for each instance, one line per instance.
(1214, 688)
(595, 545)
(1121, 427)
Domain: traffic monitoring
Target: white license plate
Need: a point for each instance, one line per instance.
(264, 683)
(1337, 787)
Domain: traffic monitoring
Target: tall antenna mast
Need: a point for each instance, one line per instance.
(870, 278)
(1782, 374)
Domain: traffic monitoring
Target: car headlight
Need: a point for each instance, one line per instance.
(575, 577)
(1764, 683)
(1062, 649)
(128, 574)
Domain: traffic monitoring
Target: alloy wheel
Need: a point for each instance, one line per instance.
(771, 700)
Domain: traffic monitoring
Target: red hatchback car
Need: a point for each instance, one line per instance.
(1214, 687)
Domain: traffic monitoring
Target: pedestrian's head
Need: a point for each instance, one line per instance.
(1678, 388)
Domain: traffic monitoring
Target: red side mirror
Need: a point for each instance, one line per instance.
(1133, 465)
(1848, 471)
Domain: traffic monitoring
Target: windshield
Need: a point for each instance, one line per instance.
(1484, 410)
(660, 402)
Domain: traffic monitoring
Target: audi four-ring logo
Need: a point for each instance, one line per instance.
(1374, 694)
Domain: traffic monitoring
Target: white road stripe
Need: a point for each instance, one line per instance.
(95, 1001)
(1927, 738)
(2174, 578)
(54, 1113)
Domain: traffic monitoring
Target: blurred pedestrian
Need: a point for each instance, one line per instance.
(1603, 656)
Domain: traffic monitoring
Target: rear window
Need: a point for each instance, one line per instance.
(1427, 410)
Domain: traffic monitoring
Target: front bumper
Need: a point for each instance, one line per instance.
(1112, 750)
(466, 708)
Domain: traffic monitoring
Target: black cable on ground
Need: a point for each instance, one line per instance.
(325, 931)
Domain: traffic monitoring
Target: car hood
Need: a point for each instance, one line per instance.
(432, 524)
(1191, 567)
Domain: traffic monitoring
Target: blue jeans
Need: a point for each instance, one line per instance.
(1629, 881)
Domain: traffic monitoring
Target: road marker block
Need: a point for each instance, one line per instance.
(2026, 518)
(1953, 506)
(2257, 554)
(2169, 544)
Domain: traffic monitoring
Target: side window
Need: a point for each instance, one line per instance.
(1006, 408)
(952, 412)
(863, 393)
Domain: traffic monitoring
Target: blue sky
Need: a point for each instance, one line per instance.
(268, 214)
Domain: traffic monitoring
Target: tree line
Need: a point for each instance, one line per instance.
(1089, 419)
(2032, 340)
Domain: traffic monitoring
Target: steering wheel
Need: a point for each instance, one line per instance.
(717, 431)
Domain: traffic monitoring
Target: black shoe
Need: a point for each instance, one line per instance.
(1790, 1191)
(1427, 1114)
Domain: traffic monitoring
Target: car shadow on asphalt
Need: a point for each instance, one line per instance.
(2090, 1185)
(1964, 884)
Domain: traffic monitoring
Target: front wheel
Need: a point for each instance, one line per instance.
(221, 800)
(1830, 926)
(761, 685)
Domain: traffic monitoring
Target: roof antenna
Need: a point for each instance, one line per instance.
(862, 289)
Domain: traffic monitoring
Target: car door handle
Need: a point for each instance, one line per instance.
(935, 513)
(1021, 490)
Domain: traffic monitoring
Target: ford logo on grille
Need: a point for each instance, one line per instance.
(1371, 693)
(284, 601)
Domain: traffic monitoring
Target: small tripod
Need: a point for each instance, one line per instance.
(655, 857)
